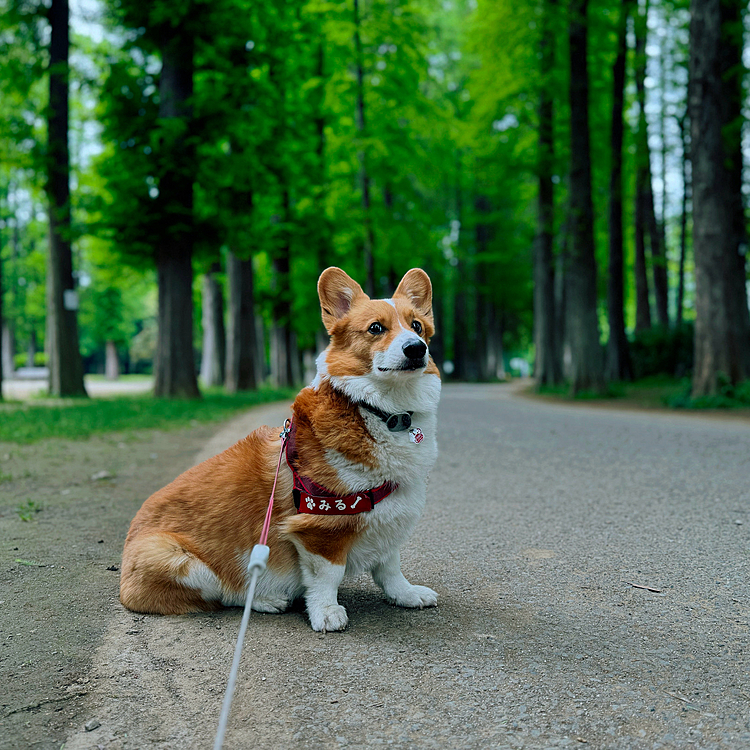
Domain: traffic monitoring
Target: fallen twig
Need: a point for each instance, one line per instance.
(686, 701)
(645, 588)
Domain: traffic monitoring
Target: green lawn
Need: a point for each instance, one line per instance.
(79, 418)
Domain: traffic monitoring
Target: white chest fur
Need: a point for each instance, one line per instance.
(399, 460)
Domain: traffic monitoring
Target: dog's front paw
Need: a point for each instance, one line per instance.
(415, 597)
(329, 618)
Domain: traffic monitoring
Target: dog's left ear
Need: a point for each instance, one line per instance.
(416, 287)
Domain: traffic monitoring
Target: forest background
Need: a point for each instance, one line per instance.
(174, 176)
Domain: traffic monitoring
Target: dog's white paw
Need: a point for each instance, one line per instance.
(329, 618)
(271, 606)
(415, 597)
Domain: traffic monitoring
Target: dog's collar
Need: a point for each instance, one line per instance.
(394, 422)
(311, 497)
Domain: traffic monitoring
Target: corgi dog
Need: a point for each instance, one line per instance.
(350, 489)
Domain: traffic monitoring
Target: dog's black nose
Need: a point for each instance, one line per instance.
(415, 349)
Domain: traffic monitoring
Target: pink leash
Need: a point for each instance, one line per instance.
(267, 523)
(257, 564)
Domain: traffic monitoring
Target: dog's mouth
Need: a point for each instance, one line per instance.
(410, 366)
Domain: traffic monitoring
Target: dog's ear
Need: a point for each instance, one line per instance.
(337, 292)
(416, 287)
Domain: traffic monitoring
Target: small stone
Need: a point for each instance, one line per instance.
(91, 725)
(103, 474)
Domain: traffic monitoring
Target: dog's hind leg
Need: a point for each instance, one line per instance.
(161, 576)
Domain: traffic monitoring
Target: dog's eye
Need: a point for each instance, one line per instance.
(376, 328)
(417, 326)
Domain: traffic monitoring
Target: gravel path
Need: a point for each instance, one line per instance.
(593, 568)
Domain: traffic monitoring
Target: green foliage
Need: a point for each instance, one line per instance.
(659, 350)
(74, 419)
(729, 396)
(449, 143)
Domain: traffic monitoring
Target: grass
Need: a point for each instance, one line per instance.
(658, 391)
(27, 510)
(80, 418)
(129, 378)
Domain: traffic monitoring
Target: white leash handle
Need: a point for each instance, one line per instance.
(257, 564)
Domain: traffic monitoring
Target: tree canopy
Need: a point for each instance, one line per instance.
(377, 135)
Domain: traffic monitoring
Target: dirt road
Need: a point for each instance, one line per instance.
(593, 573)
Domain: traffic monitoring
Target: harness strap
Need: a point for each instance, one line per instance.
(313, 498)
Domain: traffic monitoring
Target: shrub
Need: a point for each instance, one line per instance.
(663, 351)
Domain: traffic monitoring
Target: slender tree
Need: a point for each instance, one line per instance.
(618, 365)
(283, 350)
(646, 222)
(213, 357)
(2, 325)
(583, 324)
(241, 369)
(64, 357)
(547, 367)
(642, 302)
(368, 239)
(174, 365)
(682, 122)
(722, 325)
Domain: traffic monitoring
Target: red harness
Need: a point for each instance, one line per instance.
(311, 497)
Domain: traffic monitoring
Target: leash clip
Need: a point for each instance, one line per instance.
(285, 430)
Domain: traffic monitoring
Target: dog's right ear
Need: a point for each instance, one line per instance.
(337, 292)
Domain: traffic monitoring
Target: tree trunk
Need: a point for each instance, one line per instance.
(323, 229)
(241, 331)
(663, 52)
(618, 365)
(683, 218)
(658, 259)
(482, 305)
(583, 323)
(465, 323)
(65, 364)
(547, 366)
(175, 363)
(214, 353)
(460, 332)
(722, 325)
(368, 240)
(3, 331)
(645, 212)
(561, 330)
(8, 364)
(642, 303)
(493, 364)
(111, 361)
(283, 348)
(31, 348)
